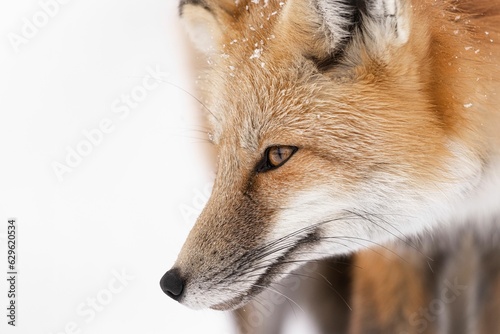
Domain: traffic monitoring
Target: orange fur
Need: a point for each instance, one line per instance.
(396, 117)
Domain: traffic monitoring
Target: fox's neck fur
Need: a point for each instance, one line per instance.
(464, 82)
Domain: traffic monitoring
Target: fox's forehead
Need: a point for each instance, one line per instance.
(259, 85)
(262, 106)
(254, 26)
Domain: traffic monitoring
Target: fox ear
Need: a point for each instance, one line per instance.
(204, 21)
(331, 25)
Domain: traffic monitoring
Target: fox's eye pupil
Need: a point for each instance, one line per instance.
(278, 154)
(274, 157)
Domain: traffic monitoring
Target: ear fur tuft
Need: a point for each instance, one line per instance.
(333, 24)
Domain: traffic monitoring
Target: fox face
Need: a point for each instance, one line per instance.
(338, 125)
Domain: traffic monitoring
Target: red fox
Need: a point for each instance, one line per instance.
(339, 125)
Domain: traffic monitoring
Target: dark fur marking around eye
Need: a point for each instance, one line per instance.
(265, 164)
(201, 3)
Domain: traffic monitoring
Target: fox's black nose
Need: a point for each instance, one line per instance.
(172, 284)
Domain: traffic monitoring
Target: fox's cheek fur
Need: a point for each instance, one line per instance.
(224, 262)
(395, 120)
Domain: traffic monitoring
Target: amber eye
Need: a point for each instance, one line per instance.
(274, 157)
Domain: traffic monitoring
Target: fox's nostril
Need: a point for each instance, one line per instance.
(172, 284)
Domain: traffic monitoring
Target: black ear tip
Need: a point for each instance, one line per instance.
(172, 284)
(181, 7)
(201, 3)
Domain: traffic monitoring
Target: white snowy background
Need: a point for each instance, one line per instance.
(103, 164)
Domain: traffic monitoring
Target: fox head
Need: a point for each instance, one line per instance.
(336, 128)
